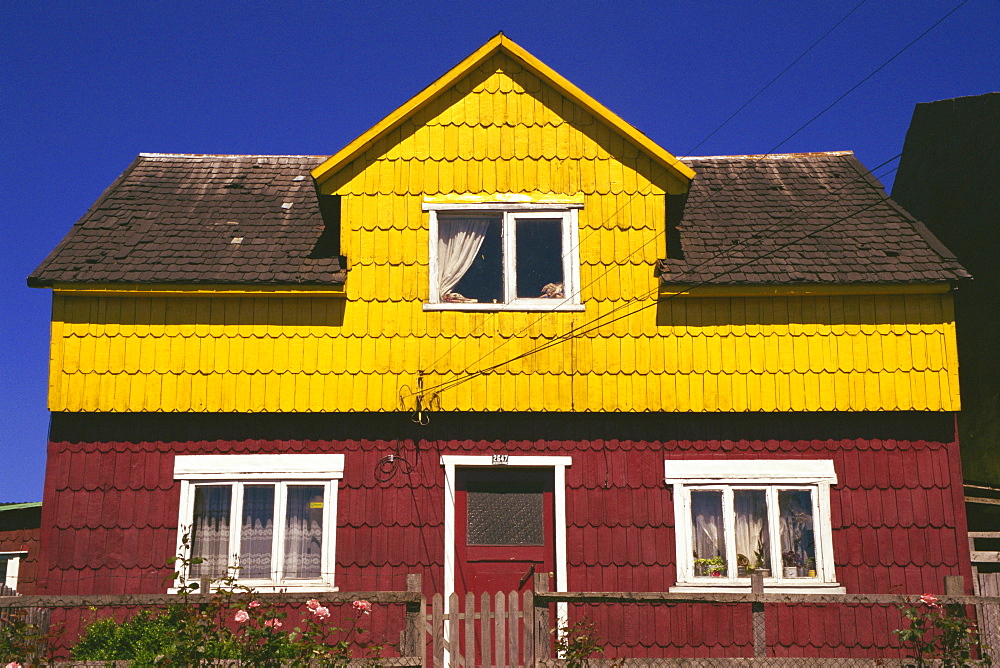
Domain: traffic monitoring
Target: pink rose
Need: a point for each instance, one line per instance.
(13, 664)
(322, 612)
(273, 623)
(254, 604)
(312, 604)
(930, 600)
(363, 607)
(241, 616)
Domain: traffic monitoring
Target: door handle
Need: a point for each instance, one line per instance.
(526, 576)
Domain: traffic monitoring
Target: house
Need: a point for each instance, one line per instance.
(503, 332)
(20, 527)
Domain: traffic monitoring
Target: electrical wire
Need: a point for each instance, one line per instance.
(644, 191)
(772, 81)
(576, 330)
(760, 158)
(595, 323)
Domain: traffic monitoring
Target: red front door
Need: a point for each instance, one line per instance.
(504, 528)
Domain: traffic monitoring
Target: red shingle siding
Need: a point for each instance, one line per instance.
(897, 517)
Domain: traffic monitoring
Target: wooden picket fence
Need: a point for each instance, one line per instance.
(504, 630)
(516, 628)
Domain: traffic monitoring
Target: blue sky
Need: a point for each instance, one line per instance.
(87, 86)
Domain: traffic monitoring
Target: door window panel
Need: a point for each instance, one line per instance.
(505, 518)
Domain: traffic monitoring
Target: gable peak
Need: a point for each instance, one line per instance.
(500, 43)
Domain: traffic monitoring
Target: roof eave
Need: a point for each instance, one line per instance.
(681, 172)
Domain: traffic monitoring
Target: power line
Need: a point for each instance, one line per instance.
(772, 81)
(770, 152)
(572, 332)
(595, 324)
(649, 186)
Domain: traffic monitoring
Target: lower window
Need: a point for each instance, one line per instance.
(9, 562)
(734, 519)
(267, 520)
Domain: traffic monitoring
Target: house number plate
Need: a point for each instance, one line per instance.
(500, 460)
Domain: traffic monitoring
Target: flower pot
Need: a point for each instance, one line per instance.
(791, 571)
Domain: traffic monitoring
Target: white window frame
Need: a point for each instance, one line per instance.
(510, 212)
(13, 560)
(815, 475)
(282, 471)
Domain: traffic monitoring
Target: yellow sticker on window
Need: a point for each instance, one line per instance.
(315, 504)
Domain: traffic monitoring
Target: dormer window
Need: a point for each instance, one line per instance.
(511, 256)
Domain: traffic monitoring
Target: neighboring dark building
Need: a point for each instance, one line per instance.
(949, 177)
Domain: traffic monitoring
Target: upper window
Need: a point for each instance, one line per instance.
(492, 256)
(737, 518)
(266, 519)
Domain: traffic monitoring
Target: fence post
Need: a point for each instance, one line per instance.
(954, 585)
(529, 627)
(759, 619)
(540, 585)
(413, 635)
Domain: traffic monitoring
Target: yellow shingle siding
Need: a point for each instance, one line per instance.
(502, 130)
(893, 352)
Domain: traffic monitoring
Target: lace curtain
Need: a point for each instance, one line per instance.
(257, 531)
(797, 536)
(752, 536)
(210, 531)
(706, 517)
(459, 241)
(304, 532)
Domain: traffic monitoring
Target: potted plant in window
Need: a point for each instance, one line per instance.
(791, 561)
(758, 560)
(713, 567)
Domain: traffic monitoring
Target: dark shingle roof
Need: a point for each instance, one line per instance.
(805, 218)
(801, 218)
(175, 219)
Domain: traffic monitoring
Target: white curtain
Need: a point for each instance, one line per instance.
(304, 532)
(751, 526)
(210, 531)
(706, 518)
(795, 509)
(459, 241)
(257, 531)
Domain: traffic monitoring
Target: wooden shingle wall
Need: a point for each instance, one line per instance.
(324, 354)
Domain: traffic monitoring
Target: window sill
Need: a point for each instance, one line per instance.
(771, 586)
(270, 588)
(514, 307)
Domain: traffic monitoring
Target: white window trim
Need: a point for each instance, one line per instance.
(282, 470)
(812, 474)
(13, 566)
(511, 211)
(558, 465)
